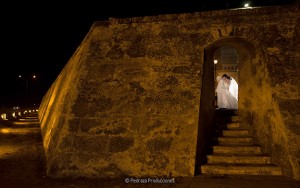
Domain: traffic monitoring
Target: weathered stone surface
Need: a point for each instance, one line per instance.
(159, 145)
(91, 144)
(119, 144)
(136, 98)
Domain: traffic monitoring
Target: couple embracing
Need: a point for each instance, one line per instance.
(227, 92)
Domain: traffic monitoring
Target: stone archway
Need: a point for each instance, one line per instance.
(225, 62)
(207, 103)
(246, 56)
(258, 105)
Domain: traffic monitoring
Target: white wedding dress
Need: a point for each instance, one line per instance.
(234, 88)
(225, 98)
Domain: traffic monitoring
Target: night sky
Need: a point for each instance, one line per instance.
(39, 37)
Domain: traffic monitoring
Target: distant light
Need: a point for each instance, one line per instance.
(246, 5)
(34, 76)
(3, 116)
(215, 61)
(4, 130)
(20, 76)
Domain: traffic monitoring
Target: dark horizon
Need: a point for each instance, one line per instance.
(39, 39)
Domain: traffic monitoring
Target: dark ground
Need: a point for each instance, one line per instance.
(22, 165)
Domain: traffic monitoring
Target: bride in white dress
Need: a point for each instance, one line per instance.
(227, 92)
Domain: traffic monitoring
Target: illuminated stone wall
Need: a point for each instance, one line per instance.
(128, 101)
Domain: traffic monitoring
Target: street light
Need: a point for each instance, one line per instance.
(27, 84)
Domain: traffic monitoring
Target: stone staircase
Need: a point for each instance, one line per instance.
(235, 151)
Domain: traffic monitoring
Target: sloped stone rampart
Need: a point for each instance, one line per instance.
(128, 101)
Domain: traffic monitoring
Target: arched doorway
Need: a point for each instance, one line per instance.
(245, 53)
(226, 62)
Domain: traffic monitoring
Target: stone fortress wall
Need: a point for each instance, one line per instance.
(136, 98)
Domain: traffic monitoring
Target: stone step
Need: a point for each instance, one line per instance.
(234, 125)
(235, 118)
(227, 119)
(231, 126)
(241, 169)
(213, 159)
(226, 112)
(237, 150)
(235, 141)
(236, 133)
